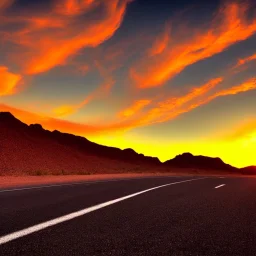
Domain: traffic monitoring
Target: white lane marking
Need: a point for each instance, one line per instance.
(220, 185)
(43, 225)
(83, 183)
(60, 185)
(45, 186)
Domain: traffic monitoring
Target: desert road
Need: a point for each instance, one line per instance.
(147, 216)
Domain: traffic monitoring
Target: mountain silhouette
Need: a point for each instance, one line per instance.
(187, 160)
(30, 149)
(250, 170)
(7, 119)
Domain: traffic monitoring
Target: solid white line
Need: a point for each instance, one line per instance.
(57, 185)
(220, 185)
(82, 183)
(43, 225)
(45, 186)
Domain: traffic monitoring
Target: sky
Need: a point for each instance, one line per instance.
(162, 77)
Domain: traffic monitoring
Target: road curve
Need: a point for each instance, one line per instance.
(150, 216)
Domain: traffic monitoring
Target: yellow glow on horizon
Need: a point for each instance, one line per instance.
(237, 153)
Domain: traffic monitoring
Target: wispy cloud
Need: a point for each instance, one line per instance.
(174, 106)
(134, 108)
(66, 110)
(161, 113)
(8, 81)
(244, 87)
(164, 110)
(74, 7)
(229, 27)
(64, 125)
(49, 39)
(246, 60)
(161, 43)
(102, 91)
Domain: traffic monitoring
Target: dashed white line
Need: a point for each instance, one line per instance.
(44, 225)
(220, 186)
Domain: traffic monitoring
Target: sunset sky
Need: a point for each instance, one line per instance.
(162, 77)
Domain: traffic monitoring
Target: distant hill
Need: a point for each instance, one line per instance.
(30, 149)
(250, 170)
(187, 160)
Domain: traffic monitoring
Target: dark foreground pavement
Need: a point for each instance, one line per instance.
(189, 218)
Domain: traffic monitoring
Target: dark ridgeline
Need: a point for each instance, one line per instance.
(7, 119)
(187, 160)
(91, 148)
(75, 142)
(30, 148)
(36, 148)
(250, 170)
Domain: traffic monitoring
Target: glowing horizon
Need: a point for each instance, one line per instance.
(163, 83)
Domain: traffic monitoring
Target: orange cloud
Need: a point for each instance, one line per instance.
(161, 43)
(8, 81)
(101, 91)
(158, 114)
(246, 86)
(66, 110)
(232, 28)
(54, 53)
(164, 110)
(50, 39)
(171, 107)
(134, 108)
(74, 7)
(195, 92)
(245, 60)
(66, 126)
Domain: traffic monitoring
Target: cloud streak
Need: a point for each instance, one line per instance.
(67, 110)
(49, 39)
(74, 7)
(101, 91)
(161, 43)
(161, 113)
(229, 27)
(134, 108)
(171, 107)
(244, 87)
(246, 60)
(64, 125)
(8, 81)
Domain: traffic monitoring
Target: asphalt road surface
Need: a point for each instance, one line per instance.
(146, 216)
